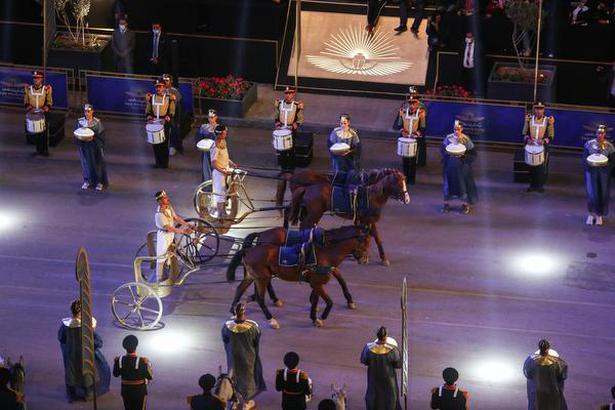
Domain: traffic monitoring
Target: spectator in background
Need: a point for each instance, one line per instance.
(448, 396)
(466, 7)
(435, 31)
(611, 405)
(602, 14)
(158, 48)
(612, 93)
(419, 10)
(9, 399)
(545, 372)
(471, 60)
(205, 401)
(119, 11)
(494, 7)
(123, 45)
(579, 16)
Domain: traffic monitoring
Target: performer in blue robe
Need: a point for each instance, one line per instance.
(91, 152)
(545, 372)
(457, 171)
(69, 336)
(598, 178)
(382, 357)
(344, 134)
(241, 338)
(207, 131)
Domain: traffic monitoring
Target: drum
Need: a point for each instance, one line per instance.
(406, 147)
(282, 139)
(456, 150)
(340, 148)
(155, 133)
(84, 134)
(35, 122)
(205, 145)
(534, 155)
(598, 160)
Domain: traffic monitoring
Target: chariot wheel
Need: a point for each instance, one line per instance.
(202, 245)
(205, 202)
(136, 306)
(148, 268)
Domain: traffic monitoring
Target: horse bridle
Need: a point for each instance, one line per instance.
(226, 376)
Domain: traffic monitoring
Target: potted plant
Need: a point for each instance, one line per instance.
(230, 96)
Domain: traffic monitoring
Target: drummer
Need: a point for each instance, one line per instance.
(221, 165)
(91, 152)
(457, 170)
(160, 107)
(165, 219)
(351, 159)
(38, 98)
(411, 123)
(289, 115)
(207, 131)
(539, 130)
(598, 178)
(176, 140)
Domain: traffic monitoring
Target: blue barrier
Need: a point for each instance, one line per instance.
(13, 81)
(125, 95)
(502, 123)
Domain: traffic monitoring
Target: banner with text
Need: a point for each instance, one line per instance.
(125, 95)
(14, 80)
(499, 123)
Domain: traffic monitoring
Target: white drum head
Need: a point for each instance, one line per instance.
(406, 140)
(35, 116)
(205, 144)
(534, 149)
(282, 132)
(456, 149)
(84, 133)
(153, 127)
(597, 159)
(339, 148)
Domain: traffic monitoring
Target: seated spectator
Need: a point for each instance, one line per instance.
(611, 405)
(465, 7)
(326, 404)
(494, 7)
(602, 14)
(435, 30)
(205, 401)
(9, 399)
(579, 16)
(448, 396)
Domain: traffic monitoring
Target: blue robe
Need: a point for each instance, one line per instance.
(206, 131)
(545, 382)
(457, 172)
(382, 389)
(91, 153)
(598, 179)
(77, 387)
(353, 159)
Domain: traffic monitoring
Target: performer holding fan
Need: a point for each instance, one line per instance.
(599, 155)
(159, 112)
(538, 132)
(89, 137)
(288, 118)
(38, 101)
(411, 142)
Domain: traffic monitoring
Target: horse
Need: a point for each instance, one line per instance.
(277, 236)
(261, 264)
(224, 390)
(310, 202)
(17, 381)
(339, 396)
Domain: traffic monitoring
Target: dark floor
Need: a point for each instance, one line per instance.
(474, 302)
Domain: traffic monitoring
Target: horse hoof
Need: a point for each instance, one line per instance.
(386, 262)
(278, 303)
(274, 324)
(352, 305)
(319, 323)
(364, 261)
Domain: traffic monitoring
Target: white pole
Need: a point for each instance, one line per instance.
(297, 41)
(538, 26)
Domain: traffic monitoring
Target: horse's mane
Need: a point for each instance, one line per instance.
(378, 188)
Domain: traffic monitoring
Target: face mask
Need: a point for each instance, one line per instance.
(122, 28)
(156, 31)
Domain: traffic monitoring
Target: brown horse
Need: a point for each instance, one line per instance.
(310, 202)
(261, 264)
(277, 236)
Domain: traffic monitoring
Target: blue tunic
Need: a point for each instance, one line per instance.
(457, 172)
(353, 159)
(598, 179)
(206, 131)
(91, 153)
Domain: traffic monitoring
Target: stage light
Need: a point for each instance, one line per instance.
(169, 341)
(496, 370)
(536, 263)
(8, 220)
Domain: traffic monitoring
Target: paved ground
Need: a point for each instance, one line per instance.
(474, 302)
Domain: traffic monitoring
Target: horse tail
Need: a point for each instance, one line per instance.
(247, 243)
(295, 206)
(281, 188)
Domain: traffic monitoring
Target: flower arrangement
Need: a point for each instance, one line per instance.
(522, 75)
(449, 91)
(225, 88)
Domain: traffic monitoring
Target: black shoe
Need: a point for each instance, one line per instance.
(401, 29)
(445, 209)
(415, 32)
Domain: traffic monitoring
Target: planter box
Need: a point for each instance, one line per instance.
(229, 108)
(100, 60)
(520, 90)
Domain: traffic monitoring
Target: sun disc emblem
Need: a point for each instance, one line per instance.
(352, 50)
